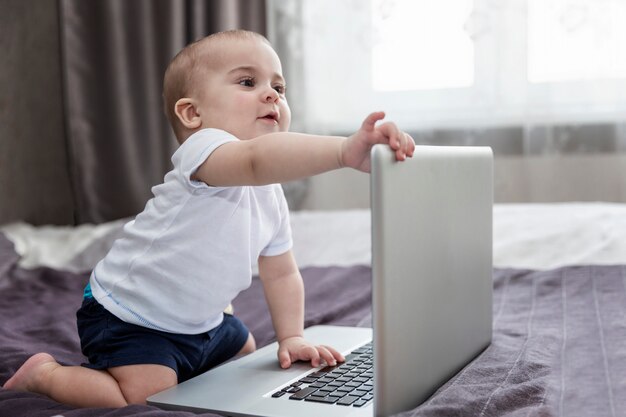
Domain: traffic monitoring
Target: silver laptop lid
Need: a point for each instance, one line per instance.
(432, 268)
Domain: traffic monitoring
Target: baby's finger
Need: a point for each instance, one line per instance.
(399, 140)
(410, 144)
(326, 355)
(309, 353)
(406, 148)
(336, 354)
(392, 134)
(370, 121)
(284, 358)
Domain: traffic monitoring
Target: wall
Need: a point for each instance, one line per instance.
(34, 179)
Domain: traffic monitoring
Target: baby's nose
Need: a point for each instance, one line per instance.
(271, 95)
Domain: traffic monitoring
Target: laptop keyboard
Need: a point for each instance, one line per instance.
(350, 383)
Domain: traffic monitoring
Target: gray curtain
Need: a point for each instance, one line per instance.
(114, 54)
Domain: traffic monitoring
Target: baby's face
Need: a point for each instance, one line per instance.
(244, 92)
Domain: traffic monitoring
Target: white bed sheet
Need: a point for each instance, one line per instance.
(535, 236)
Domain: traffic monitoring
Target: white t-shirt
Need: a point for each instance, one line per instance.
(184, 258)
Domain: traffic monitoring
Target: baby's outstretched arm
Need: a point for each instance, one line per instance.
(284, 292)
(286, 156)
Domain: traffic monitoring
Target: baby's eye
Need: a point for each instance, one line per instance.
(280, 89)
(247, 82)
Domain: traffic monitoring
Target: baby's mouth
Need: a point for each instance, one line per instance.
(270, 117)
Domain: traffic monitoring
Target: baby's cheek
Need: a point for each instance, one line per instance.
(285, 117)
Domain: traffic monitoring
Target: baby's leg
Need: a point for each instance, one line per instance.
(84, 387)
(249, 347)
(74, 385)
(138, 382)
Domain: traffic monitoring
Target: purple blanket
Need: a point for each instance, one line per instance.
(558, 345)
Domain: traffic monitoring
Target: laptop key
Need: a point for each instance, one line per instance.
(359, 403)
(303, 393)
(278, 394)
(347, 400)
(326, 400)
(325, 391)
(359, 393)
(339, 394)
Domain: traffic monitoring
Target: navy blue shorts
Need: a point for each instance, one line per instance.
(108, 342)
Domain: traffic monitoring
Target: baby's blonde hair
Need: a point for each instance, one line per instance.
(185, 67)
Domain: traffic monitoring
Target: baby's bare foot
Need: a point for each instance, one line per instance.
(27, 377)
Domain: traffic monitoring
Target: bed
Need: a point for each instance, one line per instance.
(559, 307)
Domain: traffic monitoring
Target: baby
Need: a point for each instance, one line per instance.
(152, 314)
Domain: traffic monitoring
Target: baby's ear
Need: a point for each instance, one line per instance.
(185, 109)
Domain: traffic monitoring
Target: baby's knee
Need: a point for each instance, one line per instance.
(249, 346)
(138, 382)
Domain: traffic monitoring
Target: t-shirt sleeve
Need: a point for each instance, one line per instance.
(195, 150)
(282, 240)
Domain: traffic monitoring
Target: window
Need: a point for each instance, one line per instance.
(454, 63)
(404, 55)
(572, 41)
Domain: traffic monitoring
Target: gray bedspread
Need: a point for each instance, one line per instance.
(558, 345)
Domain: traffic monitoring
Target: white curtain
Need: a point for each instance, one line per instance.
(524, 76)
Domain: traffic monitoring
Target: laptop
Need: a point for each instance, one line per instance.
(431, 299)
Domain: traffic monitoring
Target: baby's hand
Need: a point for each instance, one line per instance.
(355, 151)
(294, 349)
